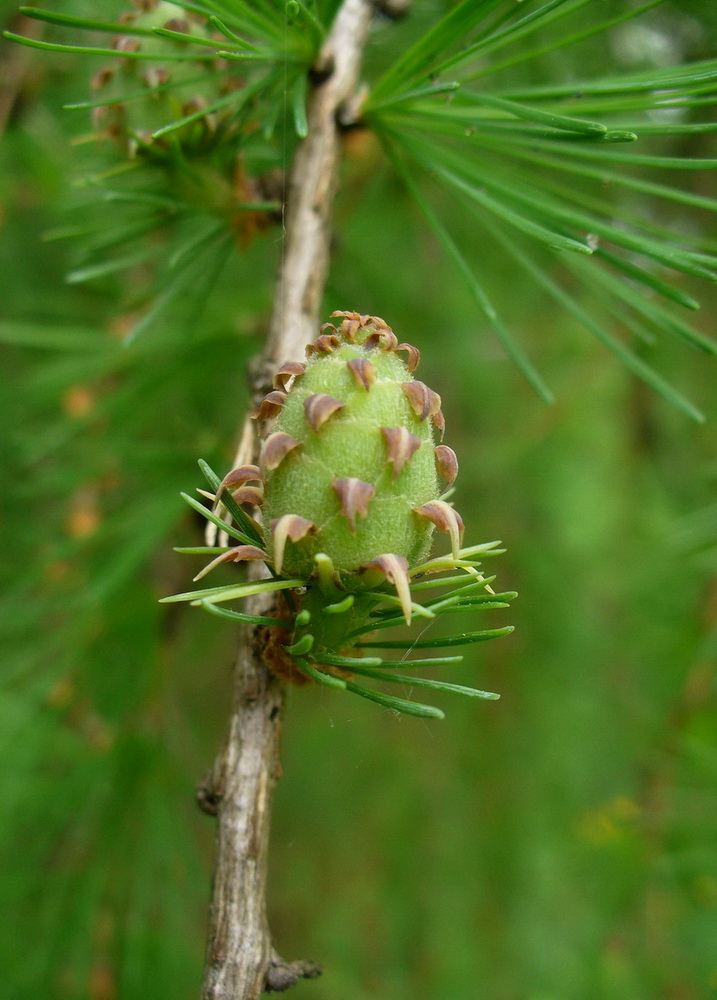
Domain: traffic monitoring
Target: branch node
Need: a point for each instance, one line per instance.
(283, 975)
(349, 112)
(323, 67)
(209, 793)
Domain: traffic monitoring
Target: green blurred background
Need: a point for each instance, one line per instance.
(560, 844)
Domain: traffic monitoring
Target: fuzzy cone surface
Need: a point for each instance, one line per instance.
(358, 469)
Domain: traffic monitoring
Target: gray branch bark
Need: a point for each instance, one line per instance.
(311, 188)
(241, 962)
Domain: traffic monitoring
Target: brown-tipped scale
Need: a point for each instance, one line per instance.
(446, 463)
(355, 497)
(270, 405)
(401, 446)
(288, 371)
(445, 518)
(289, 527)
(363, 372)
(319, 408)
(275, 449)
(395, 569)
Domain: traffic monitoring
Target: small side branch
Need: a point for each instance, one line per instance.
(241, 961)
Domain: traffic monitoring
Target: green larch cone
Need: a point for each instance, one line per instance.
(349, 490)
(349, 455)
(168, 89)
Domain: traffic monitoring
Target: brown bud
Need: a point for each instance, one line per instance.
(384, 338)
(289, 370)
(318, 408)
(102, 77)
(275, 449)
(424, 401)
(395, 569)
(123, 43)
(414, 356)
(363, 372)
(177, 24)
(401, 446)
(352, 323)
(237, 477)
(446, 519)
(194, 105)
(447, 463)
(249, 494)
(324, 344)
(292, 527)
(241, 553)
(355, 496)
(270, 405)
(156, 76)
(439, 422)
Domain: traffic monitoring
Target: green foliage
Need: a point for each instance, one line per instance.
(518, 159)
(464, 109)
(558, 843)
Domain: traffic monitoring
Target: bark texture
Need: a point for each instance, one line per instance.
(311, 188)
(241, 961)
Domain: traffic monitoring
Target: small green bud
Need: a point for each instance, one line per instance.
(151, 93)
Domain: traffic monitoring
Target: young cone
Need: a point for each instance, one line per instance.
(356, 457)
(161, 90)
(350, 485)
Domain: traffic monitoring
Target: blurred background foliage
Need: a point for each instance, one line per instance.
(560, 844)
